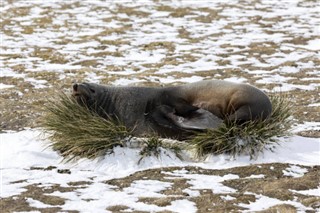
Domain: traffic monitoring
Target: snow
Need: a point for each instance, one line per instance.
(285, 87)
(236, 80)
(314, 192)
(28, 150)
(182, 206)
(192, 193)
(37, 204)
(103, 196)
(262, 202)
(314, 105)
(148, 188)
(256, 176)
(294, 171)
(295, 150)
(227, 197)
(5, 86)
(207, 181)
(307, 126)
(312, 45)
(56, 67)
(20, 151)
(84, 21)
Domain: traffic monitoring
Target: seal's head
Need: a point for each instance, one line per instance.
(85, 93)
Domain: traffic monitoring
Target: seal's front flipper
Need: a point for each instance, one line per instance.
(198, 120)
(183, 108)
(162, 116)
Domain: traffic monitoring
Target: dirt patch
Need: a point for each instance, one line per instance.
(35, 193)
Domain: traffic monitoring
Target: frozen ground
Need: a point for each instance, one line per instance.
(47, 45)
(33, 178)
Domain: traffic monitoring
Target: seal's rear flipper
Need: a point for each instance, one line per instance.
(198, 120)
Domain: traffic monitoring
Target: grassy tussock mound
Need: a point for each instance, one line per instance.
(74, 132)
(250, 138)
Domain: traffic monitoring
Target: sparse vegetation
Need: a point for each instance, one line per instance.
(152, 147)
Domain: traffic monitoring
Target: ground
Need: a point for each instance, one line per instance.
(273, 45)
(252, 183)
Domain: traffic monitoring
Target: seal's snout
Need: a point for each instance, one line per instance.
(81, 93)
(75, 87)
(75, 91)
(82, 89)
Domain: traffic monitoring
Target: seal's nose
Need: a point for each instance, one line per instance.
(75, 87)
(76, 90)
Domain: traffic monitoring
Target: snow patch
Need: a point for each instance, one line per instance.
(5, 86)
(263, 202)
(212, 182)
(256, 176)
(294, 171)
(147, 188)
(227, 197)
(311, 192)
(37, 203)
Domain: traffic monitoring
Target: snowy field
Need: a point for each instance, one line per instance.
(85, 185)
(48, 45)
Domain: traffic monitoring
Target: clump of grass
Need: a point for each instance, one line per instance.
(152, 147)
(249, 138)
(75, 131)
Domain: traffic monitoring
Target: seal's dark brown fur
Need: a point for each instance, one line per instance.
(174, 111)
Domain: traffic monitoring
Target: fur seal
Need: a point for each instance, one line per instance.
(174, 111)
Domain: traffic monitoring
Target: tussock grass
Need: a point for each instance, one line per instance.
(152, 147)
(249, 138)
(75, 131)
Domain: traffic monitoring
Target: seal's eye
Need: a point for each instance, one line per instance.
(92, 90)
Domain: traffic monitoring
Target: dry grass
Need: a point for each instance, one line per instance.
(250, 138)
(74, 131)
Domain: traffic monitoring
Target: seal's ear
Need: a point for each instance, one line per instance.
(197, 120)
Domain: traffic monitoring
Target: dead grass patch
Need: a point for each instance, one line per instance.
(118, 208)
(49, 54)
(160, 45)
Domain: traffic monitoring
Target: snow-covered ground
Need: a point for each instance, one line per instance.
(24, 153)
(47, 45)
